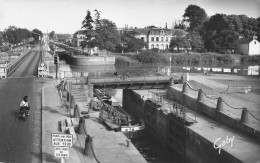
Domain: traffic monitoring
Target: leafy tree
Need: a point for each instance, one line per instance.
(131, 43)
(179, 42)
(258, 27)
(221, 31)
(194, 15)
(37, 35)
(106, 36)
(196, 41)
(1, 38)
(102, 34)
(51, 35)
(97, 20)
(151, 26)
(179, 24)
(87, 24)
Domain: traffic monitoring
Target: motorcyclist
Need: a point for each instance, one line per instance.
(25, 105)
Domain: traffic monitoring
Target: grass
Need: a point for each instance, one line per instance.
(190, 58)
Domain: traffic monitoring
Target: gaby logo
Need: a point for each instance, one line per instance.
(219, 143)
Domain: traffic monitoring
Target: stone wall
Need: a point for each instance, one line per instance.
(170, 130)
(209, 110)
(98, 60)
(200, 150)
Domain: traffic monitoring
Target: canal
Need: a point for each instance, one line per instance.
(147, 146)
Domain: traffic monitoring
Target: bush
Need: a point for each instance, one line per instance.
(150, 57)
(250, 58)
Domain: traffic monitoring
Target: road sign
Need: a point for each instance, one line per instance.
(42, 64)
(61, 140)
(61, 151)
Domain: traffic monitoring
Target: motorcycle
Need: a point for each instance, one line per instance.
(23, 114)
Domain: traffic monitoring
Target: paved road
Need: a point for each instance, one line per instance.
(20, 141)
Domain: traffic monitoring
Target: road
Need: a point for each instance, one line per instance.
(20, 141)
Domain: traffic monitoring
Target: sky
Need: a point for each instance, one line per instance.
(66, 16)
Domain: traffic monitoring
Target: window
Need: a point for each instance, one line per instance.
(162, 31)
(166, 46)
(161, 38)
(254, 42)
(157, 38)
(166, 38)
(162, 47)
(152, 38)
(142, 38)
(152, 46)
(157, 46)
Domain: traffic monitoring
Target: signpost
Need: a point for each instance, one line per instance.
(61, 140)
(3, 67)
(61, 144)
(61, 151)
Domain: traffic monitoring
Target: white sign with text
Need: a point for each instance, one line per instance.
(61, 140)
(61, 151)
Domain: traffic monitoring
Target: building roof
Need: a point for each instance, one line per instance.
(142, 31)
(79, 32)
(245, 40)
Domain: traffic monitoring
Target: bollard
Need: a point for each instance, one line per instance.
(220, 104)
(87, 144)
(244, 115)
(182, 80)
(76, 111)
(128, 142)
(88, 80)
(171, 81)
(81, 127)
(200, 95)
(184, 88)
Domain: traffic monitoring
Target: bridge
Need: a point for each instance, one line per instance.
(146, 82)
(9, 67)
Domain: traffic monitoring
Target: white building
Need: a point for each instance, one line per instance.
(154, 37)
(249, 46)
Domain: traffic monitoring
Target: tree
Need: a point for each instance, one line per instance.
(87, 25)
(131, 43)
(179, 42)
(1, 39)
(179, 24)
(195, 41)
(106, 35)
(36, 34)
(51, 35)
(194, 15)
(97, 20)
(258, 27)
(151, 26)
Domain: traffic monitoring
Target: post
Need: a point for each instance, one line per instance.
(220, 104)
(170, 64)
(184, 88)
(200, 95)
(62, 160)
(244, 116)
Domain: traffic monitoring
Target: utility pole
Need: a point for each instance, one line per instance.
(56, 61)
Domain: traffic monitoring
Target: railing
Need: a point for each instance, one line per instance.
(12, 66)
(173, 107)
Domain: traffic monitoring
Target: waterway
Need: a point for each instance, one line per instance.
(147, 146)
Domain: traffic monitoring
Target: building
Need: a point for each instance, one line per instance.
(154, 37)
(248, 46)
(77, 38)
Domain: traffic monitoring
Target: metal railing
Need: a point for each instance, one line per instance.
(13, 65)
